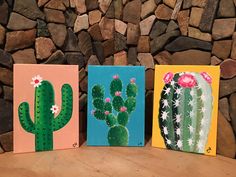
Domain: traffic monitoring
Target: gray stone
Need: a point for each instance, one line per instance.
(187, 4)
(71, 42)
(6, 140)
(6, 118)
(172, 26)
(158, 43)
(56, 58)
(19, 22)
(158, 28)
(132, 55)
(224, 107)
(58, 33)
(6, 77)
(3, 12)
(5, 59)
(98, 50)
(184, 43)
(227, 87)
(70, 18)
(28, 8)
(120, 42)
(232, 110)
(8, 93)
(75, 58)
(42, 29)
(85, 44)
(208, 15)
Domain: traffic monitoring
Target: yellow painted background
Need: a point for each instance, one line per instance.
(160, 71)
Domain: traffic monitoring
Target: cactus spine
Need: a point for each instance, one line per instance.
(44, 122)
(185, 111)
(116, 111)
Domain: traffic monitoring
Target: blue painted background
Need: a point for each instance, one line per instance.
(97, 130)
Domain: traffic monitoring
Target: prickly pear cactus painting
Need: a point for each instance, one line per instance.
(185, 111)
(115, 106)
(48, 117)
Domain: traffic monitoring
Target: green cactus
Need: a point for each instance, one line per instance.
(185, 111)
(118, 134)
(44, 122)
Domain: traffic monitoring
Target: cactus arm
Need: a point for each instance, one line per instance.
(98, 92)
(98, 103)
(185, 109)
(131, 90)
(24, 116)
(130, 104)
(123, 118)
(67, 108)
(115, 86)
(99, 114)
(165, 118)
(117, 103)
(207, 105)
(111, 120)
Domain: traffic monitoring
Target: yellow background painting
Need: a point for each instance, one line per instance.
(160, 71)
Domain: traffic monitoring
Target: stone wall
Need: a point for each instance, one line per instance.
(120, 32)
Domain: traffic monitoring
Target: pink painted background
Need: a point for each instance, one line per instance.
(68, 136)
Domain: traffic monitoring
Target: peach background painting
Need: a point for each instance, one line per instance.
(68, 136)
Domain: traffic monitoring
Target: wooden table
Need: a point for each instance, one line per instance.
(113, 161)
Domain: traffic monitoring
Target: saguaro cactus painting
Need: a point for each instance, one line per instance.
(48, 115)
(115, 101)
(185, 109)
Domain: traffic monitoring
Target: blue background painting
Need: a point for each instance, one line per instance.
(97, 130)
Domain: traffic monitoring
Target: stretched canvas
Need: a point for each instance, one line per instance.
(45, 107)
(185, 108)
(116, 105)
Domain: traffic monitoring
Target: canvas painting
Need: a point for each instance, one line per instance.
(186, 108)
(45, 107)
(116, 105)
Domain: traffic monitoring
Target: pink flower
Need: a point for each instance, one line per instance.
(207, 77)
(187, 81)
(168, 77)
(92, 112)
(107, 112)
(116, 76)
(117, 93)
(107, 100)
(132, 80)
(123, 109)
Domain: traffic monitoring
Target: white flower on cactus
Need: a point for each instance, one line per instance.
(190, 128)
(203, 97)
(165, 130)
(203, 110)
(190, 103)
(176, 103)
(168, 141)
(201, 133)
(165, 103)
(178, 132)
(192, 93)
(167, 91)
(36, 81)
(164, 115)
(191, 114)
(179, 144)
(190, 142)
(178, 91)
(54, 109)
(178, 118)
(200, 145)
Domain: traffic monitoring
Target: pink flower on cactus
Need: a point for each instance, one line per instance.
(132, 80)
(107, 112)
(117, 93)
(116, 76)
(123, 109)
(107, 100)
(92, 112)
(187, 81)
(207, 77)
(168, 77)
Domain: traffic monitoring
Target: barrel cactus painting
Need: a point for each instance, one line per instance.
(49, 115)
(114, 104)
(185, 110)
